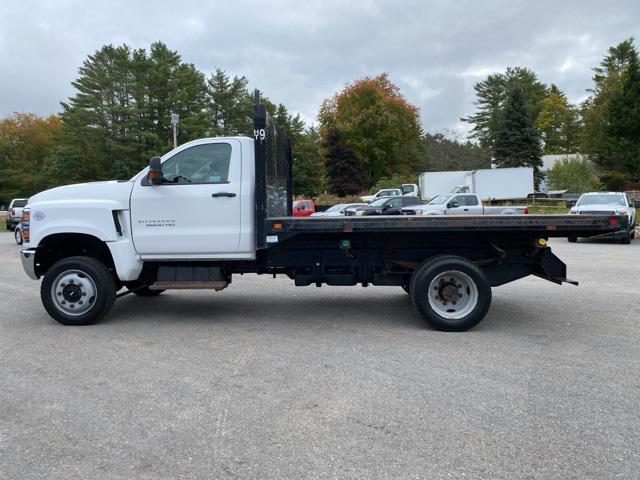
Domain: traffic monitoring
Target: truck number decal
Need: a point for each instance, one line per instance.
(260, 134)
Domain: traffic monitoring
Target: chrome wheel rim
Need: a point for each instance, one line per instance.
(453, 294)
(18, 236)
(73, 292)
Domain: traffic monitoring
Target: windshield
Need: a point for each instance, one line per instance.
(379, 202)
(602, 200)
(440, 199)
(335, 208)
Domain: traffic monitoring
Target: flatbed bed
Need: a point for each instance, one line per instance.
(542, 225)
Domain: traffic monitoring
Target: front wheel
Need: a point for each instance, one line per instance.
(626, 240)
(451, 293)
(78, 291)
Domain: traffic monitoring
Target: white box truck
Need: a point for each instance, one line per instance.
(490, 183)
(432, 184)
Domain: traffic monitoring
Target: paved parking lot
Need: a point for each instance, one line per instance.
(265, 380)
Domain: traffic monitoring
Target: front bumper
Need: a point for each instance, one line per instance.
(28, 257)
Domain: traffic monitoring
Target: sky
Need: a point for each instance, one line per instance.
(300, 52)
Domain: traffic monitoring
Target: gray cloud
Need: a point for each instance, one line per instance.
(302, 52)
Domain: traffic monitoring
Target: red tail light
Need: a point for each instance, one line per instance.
(613, 221)
(13, 211)
(526, 210)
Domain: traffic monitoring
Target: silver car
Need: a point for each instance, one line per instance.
(337, 210)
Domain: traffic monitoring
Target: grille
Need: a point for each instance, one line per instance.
(597, 212)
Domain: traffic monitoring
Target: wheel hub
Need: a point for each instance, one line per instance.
(453, 294)
(73, 292)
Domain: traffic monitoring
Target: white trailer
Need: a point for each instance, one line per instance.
(490, 183)
(501, 183)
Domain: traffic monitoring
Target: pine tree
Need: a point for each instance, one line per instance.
(124, 99)
(517, 141)
(344, 171)
(492, 95)
(229, 104)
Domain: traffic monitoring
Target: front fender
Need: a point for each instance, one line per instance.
(91, 218)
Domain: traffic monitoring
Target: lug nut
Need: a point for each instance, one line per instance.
(79, 302)
(59, 293)
(71, 280)
(72, 305)
(84, 294)
(62, 284)
(80, 284)
(63, 302)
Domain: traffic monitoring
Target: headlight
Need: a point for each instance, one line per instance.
(622, 211)
(573, 211)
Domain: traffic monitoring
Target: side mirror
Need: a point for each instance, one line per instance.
(155, 171)
(452, 205)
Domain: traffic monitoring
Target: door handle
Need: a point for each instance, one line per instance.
(466, 209)
(223, 194)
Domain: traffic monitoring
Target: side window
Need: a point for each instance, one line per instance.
(395, 203)
(470, 200)
(459, 199)
(208, 163)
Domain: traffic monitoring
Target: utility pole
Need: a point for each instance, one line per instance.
(174, 123)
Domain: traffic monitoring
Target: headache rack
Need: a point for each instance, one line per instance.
(273, 196)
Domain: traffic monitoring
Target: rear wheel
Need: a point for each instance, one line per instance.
(9, 226)
(78, 291)
(451, 293)
(572, 239)
(18, 236)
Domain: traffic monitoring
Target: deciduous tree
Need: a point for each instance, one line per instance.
(376, 122)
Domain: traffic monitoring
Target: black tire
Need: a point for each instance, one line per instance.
(572, 239)
(9, 226)
(429, 271)
(103, 281)
(626, 240)
(146, 291)
(17, 235)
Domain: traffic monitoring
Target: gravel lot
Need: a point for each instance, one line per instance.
(265, 380)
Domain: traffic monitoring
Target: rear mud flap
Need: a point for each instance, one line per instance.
(550, 267)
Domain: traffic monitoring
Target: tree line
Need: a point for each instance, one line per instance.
(519, 118)
(119, 117)
(367, 136)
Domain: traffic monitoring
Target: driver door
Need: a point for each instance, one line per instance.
(196, 210)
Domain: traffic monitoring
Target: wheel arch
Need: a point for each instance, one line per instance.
(56, 246)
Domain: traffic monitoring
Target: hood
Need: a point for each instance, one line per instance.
(600, 208)
(114, 191)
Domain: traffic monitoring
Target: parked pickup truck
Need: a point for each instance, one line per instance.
(460, 204)
(218, 207)
(14, 212)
